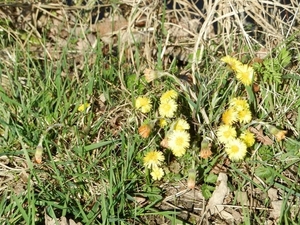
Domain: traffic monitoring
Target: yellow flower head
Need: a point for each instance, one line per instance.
(145, 130)
(83, 107)
(229, 116)
(144, 104)
(245, 74)
(226, 133)
(244, 116)
(163, 122)
(236, 149)
(168, 95)
(150, 75)
(153, 159)
(232, 62)
(238, 104)
(178, 142)
(167, 109)
(248, 138)
(157, 173)
(181, 124)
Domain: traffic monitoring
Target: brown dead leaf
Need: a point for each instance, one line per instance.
(221, 167)
(227, 216)
(215, 202)
(276, 211)
(62, 221)
(109, 25)
(242, 197)
(140, 200)
(258, 131)
(273, 194)
(262, 53)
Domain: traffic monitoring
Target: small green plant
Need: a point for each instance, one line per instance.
(272, 69)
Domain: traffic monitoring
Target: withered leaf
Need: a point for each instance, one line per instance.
(264, 139)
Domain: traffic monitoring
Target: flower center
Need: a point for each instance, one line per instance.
(227, 134)
(179, 141)
(235, 149)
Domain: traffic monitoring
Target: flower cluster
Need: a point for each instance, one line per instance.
(168, 105)
(176, 138)
(244, 73)
(230, 134)
(153, 160)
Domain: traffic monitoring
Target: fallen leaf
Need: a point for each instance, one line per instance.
(227, 216)
(62, 221)
(273, 194)
(266, 140)
(276, 211)
(109, 25)
(215, 202)
(241, 197)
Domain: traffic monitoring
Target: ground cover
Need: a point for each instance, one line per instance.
(149, 112)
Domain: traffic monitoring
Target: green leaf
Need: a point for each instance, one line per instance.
(133, 82)
(211, 178)
(207, 191)
(265, 173)
(284, 57)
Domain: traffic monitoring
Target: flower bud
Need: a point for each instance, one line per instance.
(279, 134)
(191, 182)
(38, 154)
(145, 130)
(205, 150)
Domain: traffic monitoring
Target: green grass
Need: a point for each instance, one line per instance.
(92, 161)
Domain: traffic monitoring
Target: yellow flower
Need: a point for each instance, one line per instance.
(83, 107)
(238, 104)
(232, 62)
(178, 142)
(245, 74)
(226, 133)
(144, 104)
(236, 149)
(229, 116)
(163, 122)
(181, 124)
(153, 159)
(150, 75)
(157, 173)
(244, 116)
(279, 134)
(167, 109)
(145, 130)
(248, 138)
(168, 95)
